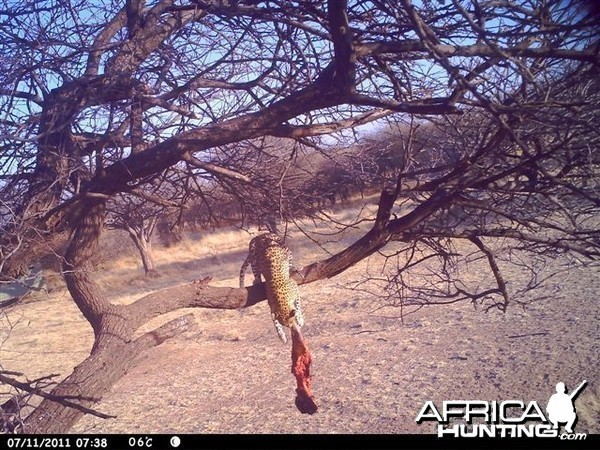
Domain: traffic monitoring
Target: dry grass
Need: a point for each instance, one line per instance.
(372, 373)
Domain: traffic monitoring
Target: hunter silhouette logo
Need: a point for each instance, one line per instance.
(561, 408)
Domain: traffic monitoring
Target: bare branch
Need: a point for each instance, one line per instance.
(55, 398)
(495, 269)
(214, 169)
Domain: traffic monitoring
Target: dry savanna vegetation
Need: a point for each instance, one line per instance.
(433, 166)
(375, 364)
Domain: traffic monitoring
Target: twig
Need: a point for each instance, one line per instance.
(55, 398)
(540, 333)
(368, 331)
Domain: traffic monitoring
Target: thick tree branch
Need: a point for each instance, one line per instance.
(343, 46)
(439, 106)
(408, 46)
(150, 35)
(21, 94)
(157, 200)
(214, 169)
(299, 131)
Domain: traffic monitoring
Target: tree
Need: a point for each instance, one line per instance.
(139, 211)
(97, 102)
(139, 223)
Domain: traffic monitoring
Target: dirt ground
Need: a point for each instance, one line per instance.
(372, 372)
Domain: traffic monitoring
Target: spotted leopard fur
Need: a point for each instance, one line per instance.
(271, 259)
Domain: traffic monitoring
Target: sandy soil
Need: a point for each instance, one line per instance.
(372, 372)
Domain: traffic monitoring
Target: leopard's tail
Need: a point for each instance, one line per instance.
(243, 271)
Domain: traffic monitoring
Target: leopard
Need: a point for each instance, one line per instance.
(270, 258)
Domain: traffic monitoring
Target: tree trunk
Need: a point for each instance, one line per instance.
(147, 259)
(145, 249)
(111, 358)
(141, 236)
(114, 351)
